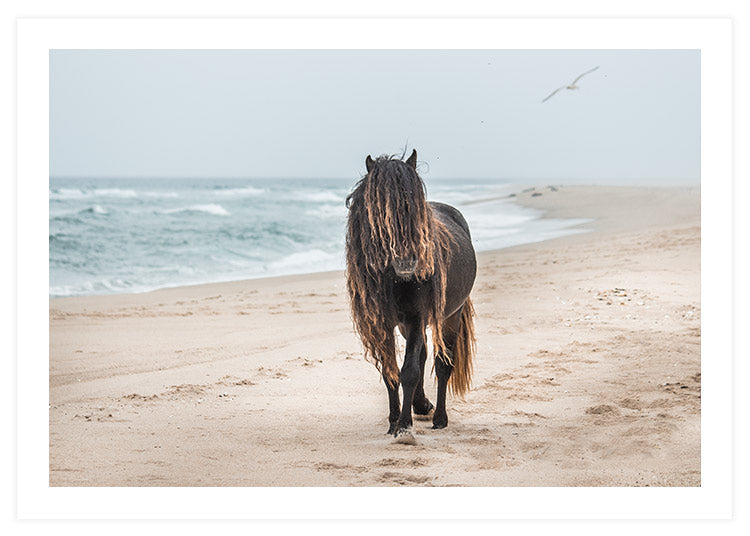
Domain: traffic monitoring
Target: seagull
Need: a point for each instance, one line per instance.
(572, 84)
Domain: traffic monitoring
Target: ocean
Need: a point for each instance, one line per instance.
(111, 236)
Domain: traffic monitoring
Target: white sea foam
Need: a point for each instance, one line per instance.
(101, 286)
(161, 194)
(76, 193)
(325, 196)
(61, 291)
(67, 193)
(328, 211)
(94, 209)
(119, 193)
(211, 208)
(307, 261)
(240, 192)
(114, 192)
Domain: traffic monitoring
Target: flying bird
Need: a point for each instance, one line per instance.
(572, 85)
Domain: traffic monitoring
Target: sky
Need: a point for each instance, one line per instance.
(319, 113)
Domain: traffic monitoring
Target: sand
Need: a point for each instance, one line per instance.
(587, 371)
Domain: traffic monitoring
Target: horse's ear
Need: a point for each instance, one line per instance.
(369, 163)
(412, 160)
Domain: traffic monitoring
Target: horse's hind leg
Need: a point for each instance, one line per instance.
(443, 371)
(394, 405)
(444, 368)
(421, 405)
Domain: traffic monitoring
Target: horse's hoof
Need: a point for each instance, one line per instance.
(391, 429)
(423, 410)
(439, 422)
(404, 436)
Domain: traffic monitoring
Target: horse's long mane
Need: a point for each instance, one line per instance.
(389, 217)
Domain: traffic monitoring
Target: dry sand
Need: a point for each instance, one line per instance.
(587, 372)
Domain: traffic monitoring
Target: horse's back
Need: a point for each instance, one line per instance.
(462, 265)
(450, 216)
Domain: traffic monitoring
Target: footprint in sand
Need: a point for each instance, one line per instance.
(403, 479)
(402, 462)
(272, 373)
(307, 362)
(98, 415)
(603, 410)
(328, 466)
(630, 403)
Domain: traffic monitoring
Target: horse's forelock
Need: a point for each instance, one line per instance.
(395, 218)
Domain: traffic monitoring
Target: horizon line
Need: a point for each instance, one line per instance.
(251, 177)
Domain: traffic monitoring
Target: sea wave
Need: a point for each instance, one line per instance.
(98, 209)
(114, 192)
(239, 192)
(106, 286)
(317, 259)
(211, 208)
(71, 215)
(328, 211)
(161, 194)
(64, 194)
(67, 193)
(325, 196)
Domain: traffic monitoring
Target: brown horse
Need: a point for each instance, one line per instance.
(410, 264)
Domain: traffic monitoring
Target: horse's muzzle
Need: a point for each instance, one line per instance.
(404, 266)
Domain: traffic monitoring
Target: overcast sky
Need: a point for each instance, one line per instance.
(304, 113)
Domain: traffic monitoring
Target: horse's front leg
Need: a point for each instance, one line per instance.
(410, 372)
(394, 407)
(421, 404)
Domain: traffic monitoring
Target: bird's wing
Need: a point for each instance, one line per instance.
(582, 75)
(550, 95)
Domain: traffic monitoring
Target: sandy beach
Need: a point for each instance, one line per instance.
(588, 370)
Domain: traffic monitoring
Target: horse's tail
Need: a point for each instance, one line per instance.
(463, 353)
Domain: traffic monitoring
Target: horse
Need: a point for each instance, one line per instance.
(410, 264)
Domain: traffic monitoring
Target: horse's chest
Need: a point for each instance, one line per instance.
(411, 298)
